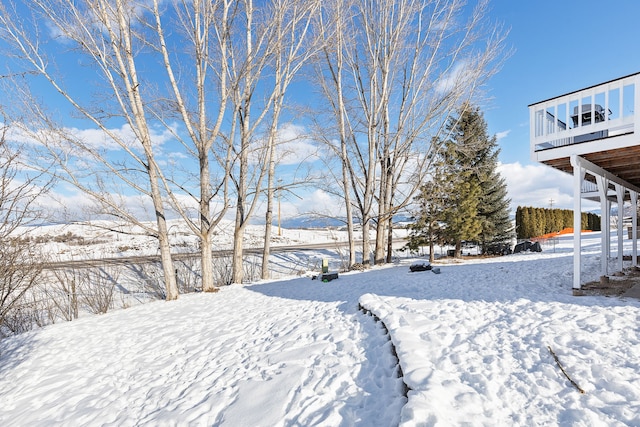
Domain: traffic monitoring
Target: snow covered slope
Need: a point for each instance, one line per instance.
(472, 343)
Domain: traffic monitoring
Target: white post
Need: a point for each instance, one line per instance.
(634, 227)
(620, 190)
(603, 189)
(636, 102)
(608, 236)
(578, 177)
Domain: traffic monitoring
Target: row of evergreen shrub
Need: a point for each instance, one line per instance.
(533, 222)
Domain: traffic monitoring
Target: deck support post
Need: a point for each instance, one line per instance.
(634, 227)
(620, 190)
(578, 177)
(603, 179)
(605, 226)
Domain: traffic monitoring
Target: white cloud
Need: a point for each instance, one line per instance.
(113, 139)
(539, 186)
(124, 135)
(70, 203)
(453, 78)
(321, 202)
(503, 134)
(294, 147)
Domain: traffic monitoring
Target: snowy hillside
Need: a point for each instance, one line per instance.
(105, 239)
(472, 344)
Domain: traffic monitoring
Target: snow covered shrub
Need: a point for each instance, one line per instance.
(252, 265)
(222, 271)
(188, 275)
(20, 266)
(18, 275)
(357, 267)
(151, 278)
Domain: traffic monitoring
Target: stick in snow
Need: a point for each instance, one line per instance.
(565, 372)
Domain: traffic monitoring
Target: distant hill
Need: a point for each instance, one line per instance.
(312, 221)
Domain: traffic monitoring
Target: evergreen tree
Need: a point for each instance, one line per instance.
(466, 200)
(549, 226)
(568, 218)
(461, 169)
(531, 222)
(461, 221)
(493, 208)
(540, 222)
(426, 230)
(519, 222)
(557, 220)
(474, 157)
(525, 222)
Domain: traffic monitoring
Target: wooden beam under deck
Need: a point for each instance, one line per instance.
(622, 162)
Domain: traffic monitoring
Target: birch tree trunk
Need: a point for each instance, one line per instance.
(292, 23)
(335, 39)
(273, 40)
(208, 25)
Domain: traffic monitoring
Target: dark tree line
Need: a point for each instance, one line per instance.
(465, 198)
(533, 222)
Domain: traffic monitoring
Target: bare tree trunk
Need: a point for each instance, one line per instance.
(237, 268)
(266, 250)
(390, 239)
(432, 256)
(381, 239)
(458, 249)
(206, 261)
(237, 275)
(348, 208)
(366, 244)
(171, 286)
(384, 210)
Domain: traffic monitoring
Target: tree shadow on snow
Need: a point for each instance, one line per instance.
(511, 278)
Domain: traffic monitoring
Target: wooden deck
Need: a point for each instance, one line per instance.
(594, 134)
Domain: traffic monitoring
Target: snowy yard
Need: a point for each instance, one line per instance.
(472, 344)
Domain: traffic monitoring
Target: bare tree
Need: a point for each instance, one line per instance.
(337, 35)
(248, 60)
(20, 267)
(109, 36)
(406, 65)
(292, 49)
(271, 39)
(185, 33)
(207, 26)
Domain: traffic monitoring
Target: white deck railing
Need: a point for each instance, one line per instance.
(598, 112)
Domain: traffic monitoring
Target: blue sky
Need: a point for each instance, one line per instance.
(558, 46)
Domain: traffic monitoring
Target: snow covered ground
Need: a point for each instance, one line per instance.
(106, 239)
(472, 343)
